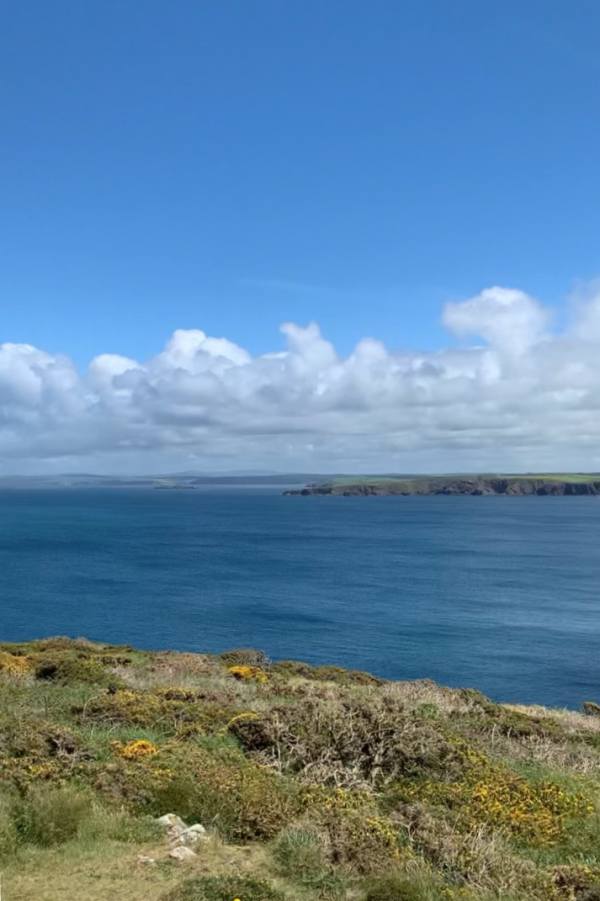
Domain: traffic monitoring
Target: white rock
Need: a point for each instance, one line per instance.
(192, 835)
(182, 853)
(172, 823)
(150, 861)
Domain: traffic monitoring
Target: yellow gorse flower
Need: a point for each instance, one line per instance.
(247, 673)
(136, 749)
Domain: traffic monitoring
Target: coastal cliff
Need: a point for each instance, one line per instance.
(514, 486)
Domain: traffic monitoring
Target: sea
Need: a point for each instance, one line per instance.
(501, 594)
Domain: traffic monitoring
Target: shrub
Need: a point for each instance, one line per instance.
(23, 736)
(136, 708)
(365, 741)
(245, 657)
(135, 749)
(218, 788)
(224, 888)
(245, 673)
(170, 711)
(64, 643)
(578, 881)
(478, 857)
(361, 842)
(242, 800)
(65, 669)
(492, 796)
(325, 673)
(428, 711)
(49, 816)
(14, 664)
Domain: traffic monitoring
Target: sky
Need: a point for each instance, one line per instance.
(339, 236)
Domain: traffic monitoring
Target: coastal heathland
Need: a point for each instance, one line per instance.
(299, 782)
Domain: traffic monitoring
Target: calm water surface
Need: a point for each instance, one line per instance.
(502, 594)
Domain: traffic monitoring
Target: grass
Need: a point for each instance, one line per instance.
(314, 783)
(554, 477)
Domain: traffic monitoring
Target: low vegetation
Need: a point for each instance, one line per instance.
(312, 783)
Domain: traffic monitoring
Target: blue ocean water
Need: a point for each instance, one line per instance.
(500, 594)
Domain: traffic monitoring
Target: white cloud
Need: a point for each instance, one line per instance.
(519, 397)
(509, 320)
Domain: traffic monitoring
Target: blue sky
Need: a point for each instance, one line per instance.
(232, 165)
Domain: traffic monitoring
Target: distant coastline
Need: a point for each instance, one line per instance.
(564, 484)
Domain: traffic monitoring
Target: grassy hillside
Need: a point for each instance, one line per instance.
(312, 783)
(543, 476)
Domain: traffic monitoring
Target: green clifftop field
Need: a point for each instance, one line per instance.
(556, 484)
(299, 783)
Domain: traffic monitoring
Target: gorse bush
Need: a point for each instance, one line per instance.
(175, 712)
(349, 743)
(71, 669)
(477, 857)
(245, 657)
(291, 668)
(491, 795)
(219, 788)
(135, 749)
(245, 673)
(362, 842)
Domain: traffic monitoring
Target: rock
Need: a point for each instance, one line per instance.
(181, 853)
(192, 835)
(150, 861)
(172, 824)
(590, 708)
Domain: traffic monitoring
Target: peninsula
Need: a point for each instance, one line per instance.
(510, 485)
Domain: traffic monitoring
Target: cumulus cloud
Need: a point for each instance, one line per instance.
(509, 320)
(506, 393)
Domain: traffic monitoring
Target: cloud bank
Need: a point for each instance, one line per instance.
(507, 393)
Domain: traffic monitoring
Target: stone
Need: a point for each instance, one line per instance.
(148, 861)
(172, 823)
(181, 853)
(192, 835)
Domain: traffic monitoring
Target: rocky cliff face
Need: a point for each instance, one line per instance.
(476, 486)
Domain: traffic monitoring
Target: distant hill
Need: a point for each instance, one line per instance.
(168, 480)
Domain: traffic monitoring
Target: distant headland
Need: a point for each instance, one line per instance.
(514, 485)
